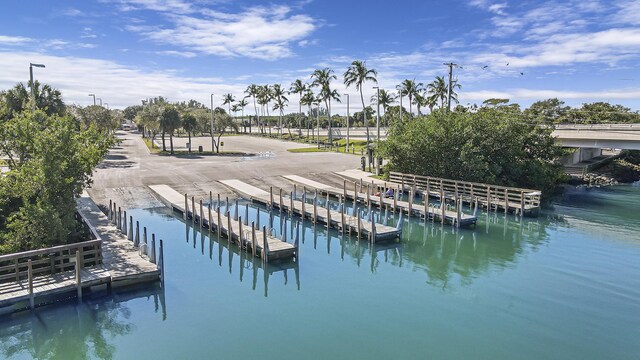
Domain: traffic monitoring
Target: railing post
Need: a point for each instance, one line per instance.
(30, 278)
(78, 275)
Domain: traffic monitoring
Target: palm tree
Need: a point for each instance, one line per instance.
(438, 91)
(322, 78)
(386, 99)
(281, 103)
(169, 122)
(357, 74)
(47, 99)
(241, 105)
(253, 91)
(228, 99)
(409, 88)
(298, 87)
(189, 124)
(308, 99)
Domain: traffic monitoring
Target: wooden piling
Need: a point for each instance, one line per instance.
(200, 217)
(219, 223)
(30, 279)
(119, 223)
(193, 210)
(291, 203)
(265, 245)
(488, 198)
(161, 263)
(280, 200)
(210, 223)
(152, 252)
(229, 231)
(123, 229)
(110, 212)
(136, 241)
(253, 239)
(506, 201)
(235, 211)
(78, 275)
(240, 232)
(271, 197)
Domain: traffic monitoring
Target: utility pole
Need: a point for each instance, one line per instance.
(346, 149)
(212, 140)
(450, 65)
(400, 106)
(33, 89)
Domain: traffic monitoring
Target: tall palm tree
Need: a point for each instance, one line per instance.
(298, 87)
(253, 91)
(308, 99)
(357, 74)
(386, 99)
(437, 90)
(322, 78)
(410, 88)
(241, 105)
(228, 99)
(281, 103)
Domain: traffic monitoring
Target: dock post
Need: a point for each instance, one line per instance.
(271, 197)
(240, 232)
(235, 211)
(521, 203)
(443, 204)
(219, 224)
(355, 193)
(295, 191)
(152, 252)
(124, 223)
(226, 204)
(328, 214)
(246, 214)
(411, 194)
(373, 230)
(265, 245)
(229, 231)
(342, 205)
(296, 242)
(475, 208)
(193, 210)
(488, 198)
(130, 232)
(186, 208)
(402, 184)
(472, 195)
(30, 279)
(386, 215)
(119, 222)
(426, 207)
(210, 198)
(395, 201)
(143, 246)
(161, 263)
(506, 201)
(315, 208)
(344, 189)
(361, 185)
(218, 203)
(280, 201)
(304, 200)
(458, 212)
(78, 276)
(368, 196)
(359, 225)
(110, 212)
(201, 213)
(210, 223)
(258, 219)
(136, 241)
(291, 205)
(253, 238)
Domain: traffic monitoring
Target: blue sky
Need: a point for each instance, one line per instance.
(127, 50)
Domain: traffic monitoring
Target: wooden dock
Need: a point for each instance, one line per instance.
(363, 193)
(491, 197)
(338, 219)
(258, 240)
(33, 277)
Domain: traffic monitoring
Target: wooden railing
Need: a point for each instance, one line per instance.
(517, 199)
(14, 267)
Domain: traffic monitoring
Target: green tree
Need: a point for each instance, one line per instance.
(98, 115)
(437, 90)
(169, 122)
(228, 99)
(298, 87)
(357, 74)
(130, 112)
(281, 103)
(222, 122)
(189, 124)
(603, 113)
(322, 78)
(491, 146)
(18, 99)
(51, 160)
(254, 91)
(549, 111)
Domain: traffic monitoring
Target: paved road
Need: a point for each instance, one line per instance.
(124, 175)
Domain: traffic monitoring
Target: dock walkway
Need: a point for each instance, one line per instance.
(259, 241)
(109, 259)
(408, 207)
(337, 219)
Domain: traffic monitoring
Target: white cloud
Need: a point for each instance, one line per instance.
(259, 32)
(14, 40)
(629, 12)
(116, 84)
(184, 54)
(173, 6)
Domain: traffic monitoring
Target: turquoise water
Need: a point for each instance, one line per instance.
(564, 285)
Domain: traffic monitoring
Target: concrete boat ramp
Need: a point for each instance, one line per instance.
(258, 240)
(455, 216)
(339, 219)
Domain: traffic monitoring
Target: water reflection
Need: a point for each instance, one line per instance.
(83, 330)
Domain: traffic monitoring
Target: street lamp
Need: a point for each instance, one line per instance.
(212, 141)
(346, 149)
(33, 93)
(100, 101)
(94, 99)
(107, 105)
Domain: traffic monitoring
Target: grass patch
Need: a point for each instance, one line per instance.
(152, 149)
(307, 150)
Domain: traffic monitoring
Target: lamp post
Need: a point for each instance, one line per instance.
(33, 92)
(100, 101)
(94, 99)
(212, 140)
(107, 105)
(346, 149)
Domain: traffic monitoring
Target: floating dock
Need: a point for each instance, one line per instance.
(259, 241)
(332, 218)
(426, 211)
(109, 259)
